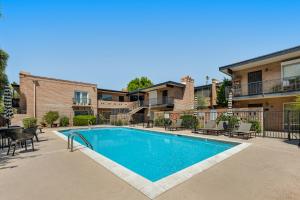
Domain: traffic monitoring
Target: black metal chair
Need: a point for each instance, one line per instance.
(32, 131)
(19, 137)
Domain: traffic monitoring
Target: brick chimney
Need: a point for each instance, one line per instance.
(187, 101)
(213, 99)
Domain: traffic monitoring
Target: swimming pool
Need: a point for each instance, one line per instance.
(150, 154)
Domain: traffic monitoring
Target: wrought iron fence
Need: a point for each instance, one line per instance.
(273, 124)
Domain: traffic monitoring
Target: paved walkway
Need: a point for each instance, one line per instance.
(268, 169)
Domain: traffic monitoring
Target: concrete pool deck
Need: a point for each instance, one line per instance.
(268, 169)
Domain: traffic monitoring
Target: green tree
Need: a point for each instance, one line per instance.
(221, 93)
(139, 83)
(3, 63)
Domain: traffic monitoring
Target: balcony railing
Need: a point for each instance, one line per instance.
(163, 101)
(82, 101)
(290, 84)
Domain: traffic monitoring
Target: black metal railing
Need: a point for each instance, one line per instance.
(272, 124)
(82, 101)
(289, 84)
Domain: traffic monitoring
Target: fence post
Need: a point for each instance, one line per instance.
(289, 128)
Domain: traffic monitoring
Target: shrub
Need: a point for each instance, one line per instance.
(222, 117)
(233, 121)
(101, 119)
(189, 121)
(50, 117)
(84, 120)
(29, 122)
(119, 123)
(160, 121)
(64, 121)
(125, 123)
(256, 126)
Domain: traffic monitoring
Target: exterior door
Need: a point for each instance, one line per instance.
(255, 82)
(165, 97)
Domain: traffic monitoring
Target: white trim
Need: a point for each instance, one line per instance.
(154, 189)
(290, 62)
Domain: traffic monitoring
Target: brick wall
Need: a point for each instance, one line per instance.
(52, 94)
(187, 101)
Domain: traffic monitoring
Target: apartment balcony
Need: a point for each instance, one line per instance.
(276, 87)
(158, 102)
(82, 102)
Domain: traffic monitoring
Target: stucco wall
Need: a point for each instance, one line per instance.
(271, 104)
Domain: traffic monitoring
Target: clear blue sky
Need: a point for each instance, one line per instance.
(109, 42)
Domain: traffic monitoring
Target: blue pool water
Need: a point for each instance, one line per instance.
(150, 154)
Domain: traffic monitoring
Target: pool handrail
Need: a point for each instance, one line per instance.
(71, 139)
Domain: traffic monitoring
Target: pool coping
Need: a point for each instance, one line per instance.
(154, 189)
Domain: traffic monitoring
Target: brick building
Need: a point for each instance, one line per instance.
(39, 95)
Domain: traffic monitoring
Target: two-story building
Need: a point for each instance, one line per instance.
(39, 95)
(271, 81)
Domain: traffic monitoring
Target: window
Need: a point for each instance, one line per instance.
(81, 112)
(205, 92)
(81, 97)
(291, 75)
(291, 70)
(121, 98)
(106, 97)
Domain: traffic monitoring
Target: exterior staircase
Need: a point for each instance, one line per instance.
(135, 110)
(127, 116)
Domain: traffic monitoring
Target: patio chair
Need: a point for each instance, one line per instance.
(217, 130)
(32, 131)
(209, 125)
(19, 137)
(243, 130)
(40, 128)
(176, 126)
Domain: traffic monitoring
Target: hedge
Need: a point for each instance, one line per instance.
(64, 121)
(84, 120)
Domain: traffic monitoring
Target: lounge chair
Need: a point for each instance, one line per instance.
(244, 130)
(216, 130)
(176, 126)
(18, 136)
(209, 125)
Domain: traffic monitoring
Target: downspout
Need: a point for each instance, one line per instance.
(34, 99)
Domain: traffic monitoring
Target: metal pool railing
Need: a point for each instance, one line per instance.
(71, 137)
